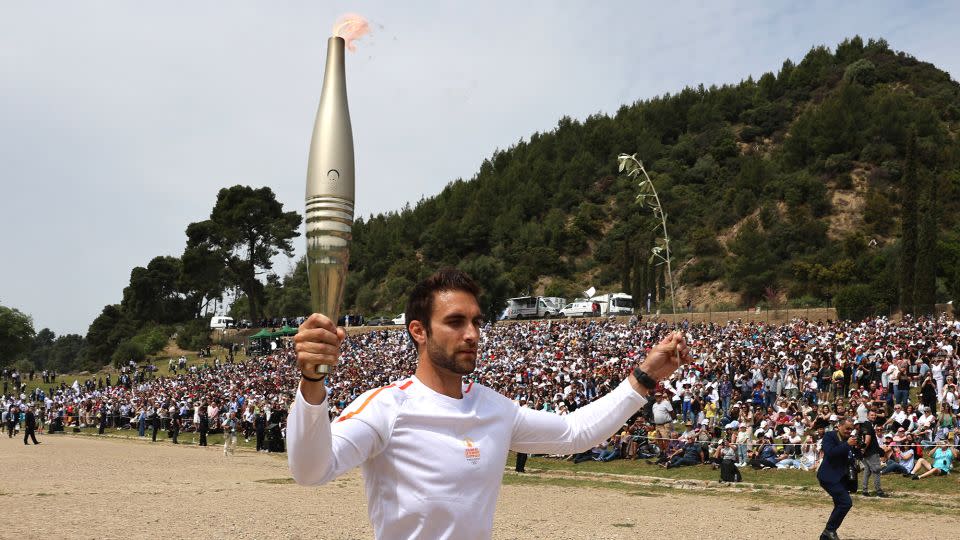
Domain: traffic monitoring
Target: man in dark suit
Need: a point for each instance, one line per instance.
(204, 426)
(174, 423)
(154, 423)
(102, 419)
(260, 425)
(837, 449)
(31, 426)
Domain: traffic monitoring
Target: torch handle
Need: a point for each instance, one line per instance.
(329, 222)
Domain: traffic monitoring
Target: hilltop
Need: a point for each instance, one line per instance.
(784, 190)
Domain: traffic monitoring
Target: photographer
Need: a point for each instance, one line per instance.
(839, 448)
(871, 454)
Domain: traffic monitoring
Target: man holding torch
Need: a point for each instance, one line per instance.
(433, 448)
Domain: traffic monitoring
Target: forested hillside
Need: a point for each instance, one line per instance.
(833, 181)
(790, 188)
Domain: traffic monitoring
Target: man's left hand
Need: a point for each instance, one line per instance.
(667, 356)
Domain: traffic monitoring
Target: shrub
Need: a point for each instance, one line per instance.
(855, 302)
(194, 335)
(126, 351)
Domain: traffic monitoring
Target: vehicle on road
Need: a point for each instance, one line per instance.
(577, 309)
(531, 307)
(614, 303)
(400, 319)
(221, 322)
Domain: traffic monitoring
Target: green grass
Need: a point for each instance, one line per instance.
(908, 505)
(765, 479)
(161, 361)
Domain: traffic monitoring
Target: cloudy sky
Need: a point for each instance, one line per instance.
(120, 121)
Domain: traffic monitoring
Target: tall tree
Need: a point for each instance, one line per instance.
(16, 335)
(105, 333)
(203, 278)
(154, 294)
(925, 284)
(66, 353)
(247, 228)
(908, 230)
(41, 347)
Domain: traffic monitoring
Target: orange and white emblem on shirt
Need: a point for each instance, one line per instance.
(472, 453)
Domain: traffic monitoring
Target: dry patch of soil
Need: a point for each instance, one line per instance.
(84, 487)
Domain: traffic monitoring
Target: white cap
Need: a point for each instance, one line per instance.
(732, 425)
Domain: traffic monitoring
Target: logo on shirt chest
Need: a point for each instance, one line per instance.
(471, 452)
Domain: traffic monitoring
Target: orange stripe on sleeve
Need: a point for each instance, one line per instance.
(364, 404)
(469, 386)
(406, 385)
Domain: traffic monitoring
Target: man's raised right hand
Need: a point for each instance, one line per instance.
(317, 342)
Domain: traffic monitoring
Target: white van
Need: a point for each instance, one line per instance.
(614, 304)
(218, 322)
(530, 307)
(400, 319)
(577, 309)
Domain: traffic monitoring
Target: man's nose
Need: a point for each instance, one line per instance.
(472, 334)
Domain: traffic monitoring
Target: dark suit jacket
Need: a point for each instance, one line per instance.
(836, 458)
(31, 420)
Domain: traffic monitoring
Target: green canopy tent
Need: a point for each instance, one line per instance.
(263, 333)
(286, 331)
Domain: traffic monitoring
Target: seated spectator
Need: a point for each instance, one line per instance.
(901, 461)
(688, 455)
(765, 456)
(942, 456)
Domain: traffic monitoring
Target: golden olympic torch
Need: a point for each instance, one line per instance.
(330, 181)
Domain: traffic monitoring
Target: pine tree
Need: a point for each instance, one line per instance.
(925, 280)
(908, 233)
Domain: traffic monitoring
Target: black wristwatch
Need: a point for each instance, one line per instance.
(313, 379)
(645, 380)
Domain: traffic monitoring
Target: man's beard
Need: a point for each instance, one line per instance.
(441, 359)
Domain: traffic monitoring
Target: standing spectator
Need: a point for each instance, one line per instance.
(871, 455)
(203, 426)
(521, 462)
(154, 423)
(928, 394)
(13, 415)
(663, 421)
(260, 426)
(229, 433)
(30, 426)
(174, 423)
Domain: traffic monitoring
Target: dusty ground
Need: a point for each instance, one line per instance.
(83, 487)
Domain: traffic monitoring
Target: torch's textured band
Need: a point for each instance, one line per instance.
(329, 215)
(329, 224)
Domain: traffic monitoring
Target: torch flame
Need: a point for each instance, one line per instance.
(351, 27)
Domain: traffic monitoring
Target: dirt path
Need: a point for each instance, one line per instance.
(83, 487)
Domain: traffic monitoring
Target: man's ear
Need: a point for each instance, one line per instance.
(418, 331)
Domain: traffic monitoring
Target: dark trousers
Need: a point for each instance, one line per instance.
(154, 435)
(260, 440)
(203, 438)
(174, 433)
(29, 433)
(842, 503)
(102, 426)
(521, 462)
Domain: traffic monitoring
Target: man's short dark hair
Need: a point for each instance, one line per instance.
(420, 304)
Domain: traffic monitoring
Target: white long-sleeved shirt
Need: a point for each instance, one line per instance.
(432, 464)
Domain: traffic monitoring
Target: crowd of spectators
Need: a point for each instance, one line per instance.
(758, 395)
